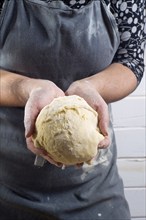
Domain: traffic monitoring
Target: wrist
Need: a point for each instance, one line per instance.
(15, 89)
(22, 88)
(94, 83)
(27, 86)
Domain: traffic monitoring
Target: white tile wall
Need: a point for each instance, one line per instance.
(129, 119)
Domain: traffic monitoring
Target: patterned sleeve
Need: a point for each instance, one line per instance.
(131, 20)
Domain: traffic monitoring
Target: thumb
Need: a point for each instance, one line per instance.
(103, 124)
(30, 115)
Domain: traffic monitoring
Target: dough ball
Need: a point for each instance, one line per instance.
(67, 130)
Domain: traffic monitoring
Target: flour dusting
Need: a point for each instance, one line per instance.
(103, 157)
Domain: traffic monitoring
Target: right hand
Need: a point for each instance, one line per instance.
(86, 90)
(39, 97)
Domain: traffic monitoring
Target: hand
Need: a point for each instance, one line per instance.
(39, 97)
(86, 90)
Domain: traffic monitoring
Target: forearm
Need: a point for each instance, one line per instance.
(15, 88)
(114, 83)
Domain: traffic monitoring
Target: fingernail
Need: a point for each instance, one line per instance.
(28, 130)
(59, 164)
(101, 146)
(26, 133)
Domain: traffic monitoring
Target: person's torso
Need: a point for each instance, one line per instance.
(50, 40)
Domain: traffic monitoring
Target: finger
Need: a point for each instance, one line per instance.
(30, 115)
(31, 147)
(103, 124)
(41, 152)
(103, 119)
(79, 165)
(104, 143)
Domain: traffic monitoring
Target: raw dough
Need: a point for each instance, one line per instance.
(67, 130)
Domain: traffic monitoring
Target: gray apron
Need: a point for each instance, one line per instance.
(50, 40)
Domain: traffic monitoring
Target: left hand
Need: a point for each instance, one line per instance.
(39, 97)
(86, 90)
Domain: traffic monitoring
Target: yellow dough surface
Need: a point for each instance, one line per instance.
(67, 130)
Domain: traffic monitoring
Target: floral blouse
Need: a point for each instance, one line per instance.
(131, 20)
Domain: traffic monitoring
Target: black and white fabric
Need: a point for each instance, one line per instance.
(131, 20)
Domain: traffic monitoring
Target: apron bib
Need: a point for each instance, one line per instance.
(50, 40)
